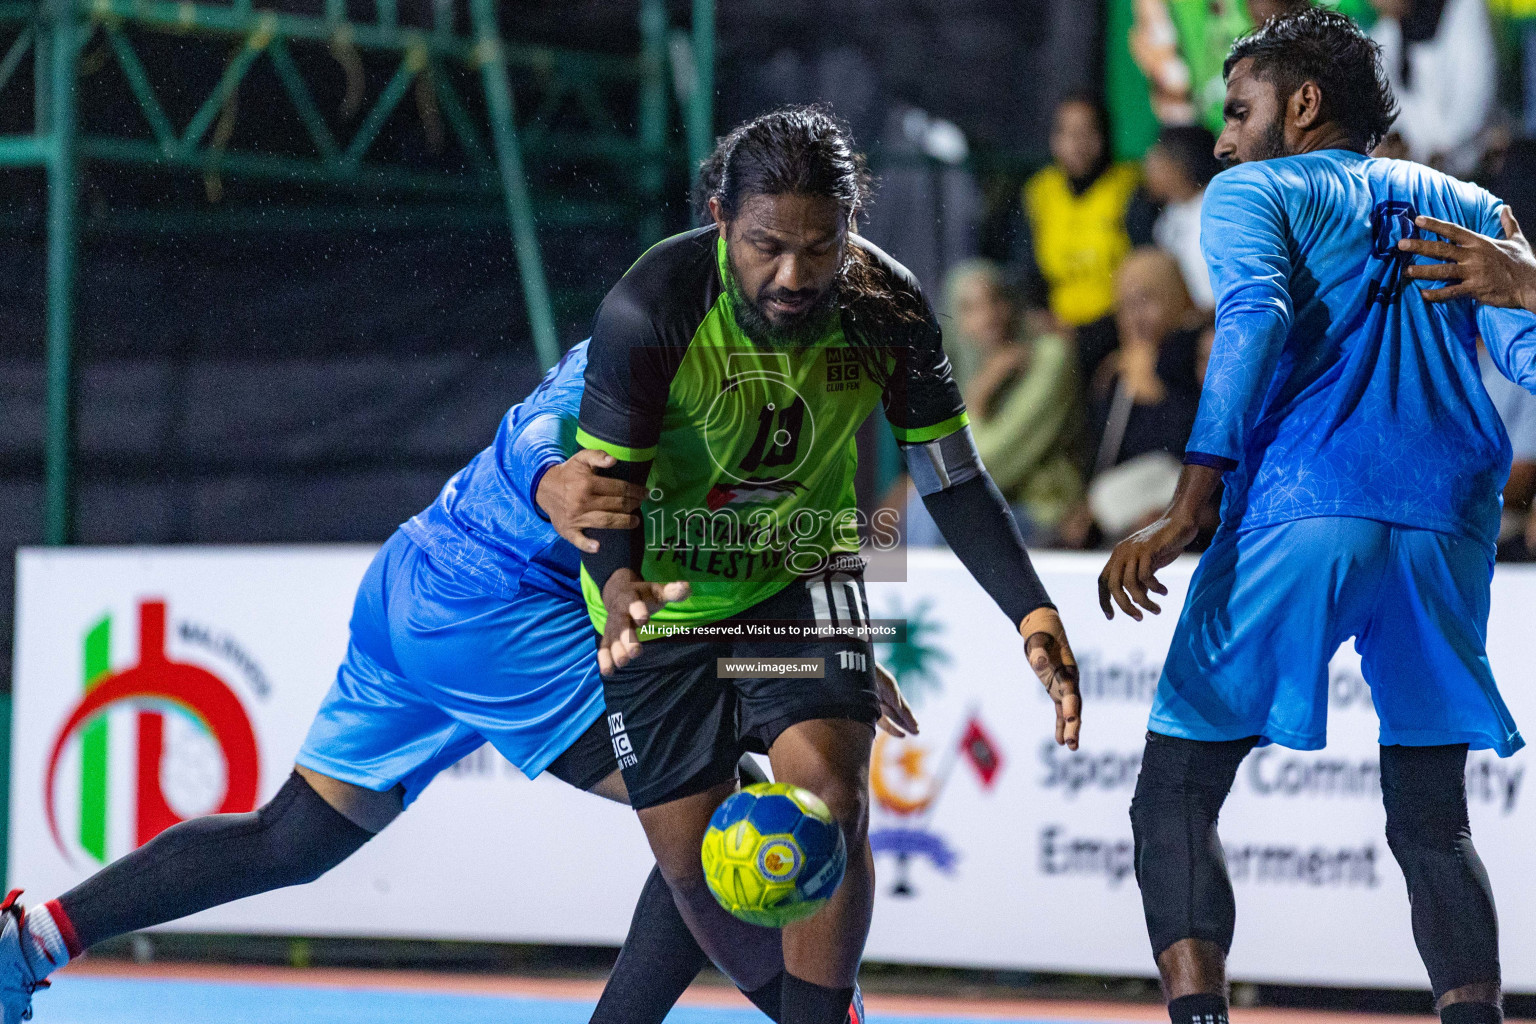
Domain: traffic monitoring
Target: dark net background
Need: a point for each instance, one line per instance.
(320, 384)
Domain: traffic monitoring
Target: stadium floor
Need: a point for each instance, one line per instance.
(102, 992)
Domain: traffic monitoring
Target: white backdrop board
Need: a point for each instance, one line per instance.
(994, 847)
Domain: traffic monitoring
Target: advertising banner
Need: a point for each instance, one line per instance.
(156, 685)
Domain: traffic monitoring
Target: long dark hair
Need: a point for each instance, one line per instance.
(806, 150)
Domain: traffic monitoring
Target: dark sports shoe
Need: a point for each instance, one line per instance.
(20, 975)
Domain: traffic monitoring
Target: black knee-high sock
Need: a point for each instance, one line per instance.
(808, 1003)
(1472, 1013)
(205, 862)
(1203, 1008)
(659, 961)
(660, 957)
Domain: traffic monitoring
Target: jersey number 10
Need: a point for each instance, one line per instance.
(778, 436)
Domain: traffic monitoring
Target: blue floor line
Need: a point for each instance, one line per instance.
(84, 1000)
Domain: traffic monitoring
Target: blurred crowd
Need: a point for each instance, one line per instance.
(1081, 354)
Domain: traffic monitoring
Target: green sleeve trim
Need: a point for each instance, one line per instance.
(618, 451)
(922, 435)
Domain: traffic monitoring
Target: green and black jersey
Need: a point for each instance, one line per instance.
(751, 447)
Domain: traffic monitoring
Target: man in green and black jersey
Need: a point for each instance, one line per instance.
(728, 372)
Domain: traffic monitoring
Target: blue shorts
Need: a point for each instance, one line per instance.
(436, 668)
(1268, 607)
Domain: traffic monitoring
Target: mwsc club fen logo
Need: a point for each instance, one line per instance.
(187, 736)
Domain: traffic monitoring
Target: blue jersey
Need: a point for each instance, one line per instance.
(1333, 388)
(485, 523)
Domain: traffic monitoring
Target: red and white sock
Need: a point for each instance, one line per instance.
(52, 936)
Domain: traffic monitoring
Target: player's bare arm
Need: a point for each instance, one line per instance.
(1130, 577)
(576, 498)
(1494, 271)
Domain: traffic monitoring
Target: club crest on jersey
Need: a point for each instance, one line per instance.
(842, 370)
(750, 492)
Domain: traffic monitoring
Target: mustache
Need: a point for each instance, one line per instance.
(785, 295)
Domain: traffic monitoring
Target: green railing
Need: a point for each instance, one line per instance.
(494, 145)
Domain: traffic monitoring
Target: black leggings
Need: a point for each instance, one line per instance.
(1454, 922)
(1186, 893)
(294, 838)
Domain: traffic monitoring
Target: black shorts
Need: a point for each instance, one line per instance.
(676, 728)
(588, 760)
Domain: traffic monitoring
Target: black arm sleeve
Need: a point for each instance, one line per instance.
(976, 521)
(617, 549)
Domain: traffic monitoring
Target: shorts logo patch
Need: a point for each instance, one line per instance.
(623, 750)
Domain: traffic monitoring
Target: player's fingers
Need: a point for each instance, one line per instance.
(1118, 592)
(1455, 232)
(581, 540)
(1431, 248)
(610, 489)
(1510, 224)
(1436, 271)
(1109, 609)
(1145, 581)
(890, 728)
(1455, 291)
(604, 660)
(629, 644)
(676, 591)
(639, 609)
(895, 707)
(593, 457)
(1131, 581)
(607, 521)
(1071, 714)
(1156, 585)
(592, 501)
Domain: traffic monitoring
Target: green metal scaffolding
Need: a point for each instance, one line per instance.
(54, 33)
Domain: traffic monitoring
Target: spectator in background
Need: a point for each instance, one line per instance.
(1144, 397)
(1022, 401)
(1264, 11)
(1517, 408)
(1178, 167)
(1075, 214)
(1439, 57)
(1021, 394)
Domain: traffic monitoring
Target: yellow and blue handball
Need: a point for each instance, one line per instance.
(773, 854)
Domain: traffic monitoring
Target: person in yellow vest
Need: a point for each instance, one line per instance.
(1075, 214)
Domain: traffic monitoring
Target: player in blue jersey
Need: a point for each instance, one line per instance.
(1362, 462)
(468, 628)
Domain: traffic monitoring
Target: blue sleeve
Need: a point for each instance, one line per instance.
(1509, 334)
(1243, 237)
(542, 431)
(541, 442)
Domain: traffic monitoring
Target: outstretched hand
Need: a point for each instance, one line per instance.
(1495, 272)
(1129, 579)
(1050, 655)
(630, 602)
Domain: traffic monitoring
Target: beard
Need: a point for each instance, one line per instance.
(1271, 145)
(803, 329)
